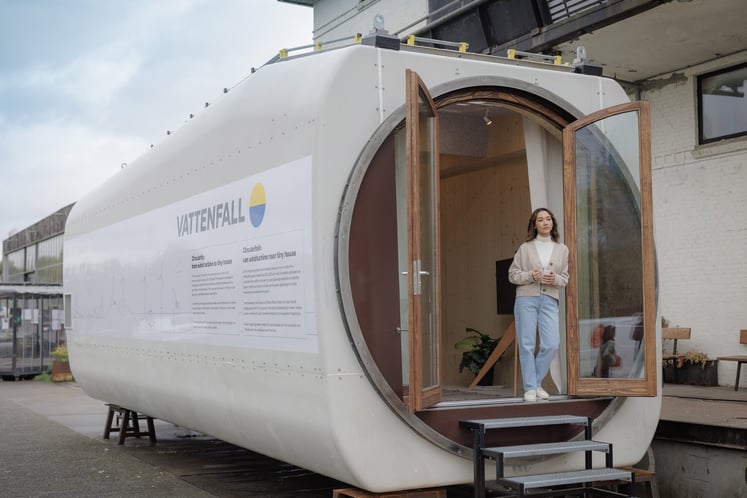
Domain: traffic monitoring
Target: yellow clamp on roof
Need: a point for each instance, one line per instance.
(512, 53)
(411, 40)
(463, 46)
(283, 53)
(357, 38)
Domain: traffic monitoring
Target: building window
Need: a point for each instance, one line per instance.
(722, 106)
(16, 266)
(49, 262)
(30, 258)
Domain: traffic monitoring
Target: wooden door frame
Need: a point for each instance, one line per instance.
(647, 386)
(421, 397)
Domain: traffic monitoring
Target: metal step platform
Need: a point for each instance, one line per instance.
(584, 480)
(527, 450)
(545, 485)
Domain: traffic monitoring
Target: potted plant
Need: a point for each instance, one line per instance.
(693, 367)
(476, 349)
(60, 364)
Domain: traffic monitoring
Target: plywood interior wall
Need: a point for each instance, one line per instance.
(484, 209)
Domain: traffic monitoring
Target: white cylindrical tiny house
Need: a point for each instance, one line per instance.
(243, 278)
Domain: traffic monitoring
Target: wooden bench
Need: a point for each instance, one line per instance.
(128, 424)
(675, 333)
(738, 358)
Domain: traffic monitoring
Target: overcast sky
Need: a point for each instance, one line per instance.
(86, 85)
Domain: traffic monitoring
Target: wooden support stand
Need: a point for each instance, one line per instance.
(129, 425)
(415, 493)
(648, 479)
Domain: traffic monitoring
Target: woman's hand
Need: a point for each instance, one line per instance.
(547, 277)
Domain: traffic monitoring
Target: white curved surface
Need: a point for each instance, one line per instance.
(295, 392)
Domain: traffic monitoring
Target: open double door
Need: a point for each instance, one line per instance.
(608, 229)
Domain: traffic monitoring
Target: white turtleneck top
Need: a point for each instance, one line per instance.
(544, 248)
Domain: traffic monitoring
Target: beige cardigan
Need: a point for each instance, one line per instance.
(527, 259)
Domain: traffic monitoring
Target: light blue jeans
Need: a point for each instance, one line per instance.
(531, 313)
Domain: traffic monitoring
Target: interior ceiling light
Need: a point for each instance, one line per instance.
(487, 119)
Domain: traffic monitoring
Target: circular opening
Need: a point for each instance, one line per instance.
(484, 192)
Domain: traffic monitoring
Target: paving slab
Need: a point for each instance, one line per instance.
(52, 443)
(41, 458)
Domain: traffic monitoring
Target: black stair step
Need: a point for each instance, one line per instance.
(563, 478)
(506, 423)
(527, 450)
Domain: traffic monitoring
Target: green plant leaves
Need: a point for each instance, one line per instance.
(476, 350)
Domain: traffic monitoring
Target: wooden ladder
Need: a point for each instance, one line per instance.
(572, 481)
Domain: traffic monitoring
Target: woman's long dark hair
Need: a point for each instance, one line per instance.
(532, 228)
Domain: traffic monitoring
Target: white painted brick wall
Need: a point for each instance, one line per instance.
(700, 225)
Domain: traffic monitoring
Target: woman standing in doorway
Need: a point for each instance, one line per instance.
(539, 270)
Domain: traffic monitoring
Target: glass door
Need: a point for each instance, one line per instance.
(610, 311)
(423, 242)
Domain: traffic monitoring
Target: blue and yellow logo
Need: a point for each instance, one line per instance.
(257, 205)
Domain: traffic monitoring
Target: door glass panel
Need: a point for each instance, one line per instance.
(611, 327)
(423, 300)
(609, 252)
(427, 278)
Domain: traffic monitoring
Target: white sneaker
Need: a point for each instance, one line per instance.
(530, 396)
(542, 394)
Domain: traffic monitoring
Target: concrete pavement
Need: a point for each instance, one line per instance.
(42, 458)
(51, 444)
